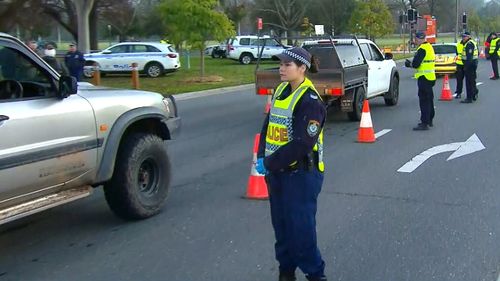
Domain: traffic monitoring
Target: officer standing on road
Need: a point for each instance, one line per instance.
(469, 57)
(459, 75)
(424, 63)
(74, 62)
(291, 155)
(494, 53)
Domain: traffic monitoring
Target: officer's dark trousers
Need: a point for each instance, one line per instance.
(459, 75)
(470, 80)
(426, 100)
(293, 198)
(494, 65)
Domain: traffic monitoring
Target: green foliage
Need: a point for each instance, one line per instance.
(371, 18)
(195, 22)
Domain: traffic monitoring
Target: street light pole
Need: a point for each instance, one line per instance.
(456, 22)
(109, 30)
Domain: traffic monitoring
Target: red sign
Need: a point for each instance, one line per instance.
(259, 23)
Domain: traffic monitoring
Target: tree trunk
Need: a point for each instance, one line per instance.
(94, 34)
(83, 8)
(202, 64)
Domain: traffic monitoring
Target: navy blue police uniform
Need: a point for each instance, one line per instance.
(294, 181)
(75, 62)
(470, 69)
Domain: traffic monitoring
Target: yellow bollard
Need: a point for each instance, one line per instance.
(96, 75)
(135, 76)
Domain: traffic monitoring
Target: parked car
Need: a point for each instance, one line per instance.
(60, 140)
(350, 71)
(246, 49)
(446, 54)
(216, 51)
(153, 59)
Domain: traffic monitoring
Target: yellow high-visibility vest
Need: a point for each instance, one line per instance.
(280, 127)
(493, 45)
(428, 66)
(475, 55)
(460, 49)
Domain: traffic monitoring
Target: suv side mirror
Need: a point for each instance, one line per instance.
(106, 52)
(388, 56)
(67, 86)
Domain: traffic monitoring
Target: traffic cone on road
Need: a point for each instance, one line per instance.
(366, 133)
(446, 91)
(268, 105)
(257, 187)
(482, 55)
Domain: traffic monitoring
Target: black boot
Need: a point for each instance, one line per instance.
(421, 127)
(287, 276)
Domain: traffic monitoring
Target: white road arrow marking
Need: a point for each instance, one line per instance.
(381, 133)
(473, 144)
(479, 83)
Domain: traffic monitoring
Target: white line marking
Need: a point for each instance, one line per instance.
(381, 133)
(471, 145)
(479, 83)
(498, 279)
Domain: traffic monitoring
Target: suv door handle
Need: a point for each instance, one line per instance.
(4, 118)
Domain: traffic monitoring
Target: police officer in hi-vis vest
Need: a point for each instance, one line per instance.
(470, 55)
(494, 53)
(425, 73)
(291, 156)
(459, 74)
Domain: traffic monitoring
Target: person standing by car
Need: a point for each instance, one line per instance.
(424, 63)
(50, 58)
(459, 74)
(291, 155)
(470, 55)
(493, 52)
(74, 62)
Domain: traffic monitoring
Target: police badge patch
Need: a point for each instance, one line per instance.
(313, 128)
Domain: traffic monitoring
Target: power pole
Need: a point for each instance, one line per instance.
(456, 21)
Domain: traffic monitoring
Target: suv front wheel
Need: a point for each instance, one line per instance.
(141, 178)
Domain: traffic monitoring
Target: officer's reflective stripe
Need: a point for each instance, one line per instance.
(428, 66)
(280, 127)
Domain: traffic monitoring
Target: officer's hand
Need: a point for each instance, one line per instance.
(407, 63)
(259, 166)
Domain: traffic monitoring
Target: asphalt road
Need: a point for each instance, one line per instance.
(439, 222)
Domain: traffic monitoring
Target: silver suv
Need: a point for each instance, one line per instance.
(247, 48)
(60, 139)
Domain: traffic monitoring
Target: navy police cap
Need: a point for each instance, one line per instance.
(297, 54)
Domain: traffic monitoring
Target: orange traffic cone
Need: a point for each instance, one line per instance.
(257, 187)
(482, 55)
(446, 91)
(366, 133)
(268, 105)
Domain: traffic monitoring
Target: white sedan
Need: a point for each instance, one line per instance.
(153, 59)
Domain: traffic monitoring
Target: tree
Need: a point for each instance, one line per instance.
(286, 15)
(332, 14)
(196, 21)
(236, 10)
(371, 18)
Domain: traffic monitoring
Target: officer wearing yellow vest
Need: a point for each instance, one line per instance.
(494, 53)
(470, 55)
(459, 74)
(425, 73)
(291, 156)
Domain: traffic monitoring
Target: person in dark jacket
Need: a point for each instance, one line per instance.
(74, 62)
(50, 58)
(470, 56)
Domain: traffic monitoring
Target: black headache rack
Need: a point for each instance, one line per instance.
(308, 42)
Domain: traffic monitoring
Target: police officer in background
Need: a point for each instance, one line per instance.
(291, 155)
(470, 55)
(424, 63)
(74, 62)
(494, 52)
(459, 75)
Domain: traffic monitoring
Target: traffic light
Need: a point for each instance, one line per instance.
(464, 18)
(412, 15)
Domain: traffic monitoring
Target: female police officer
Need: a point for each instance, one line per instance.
(291, 156)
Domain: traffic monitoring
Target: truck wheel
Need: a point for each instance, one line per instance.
(246, 59)
(391, 98)
(357, 105)
(141, 178)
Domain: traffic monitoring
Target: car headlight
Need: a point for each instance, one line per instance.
(170, 106)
